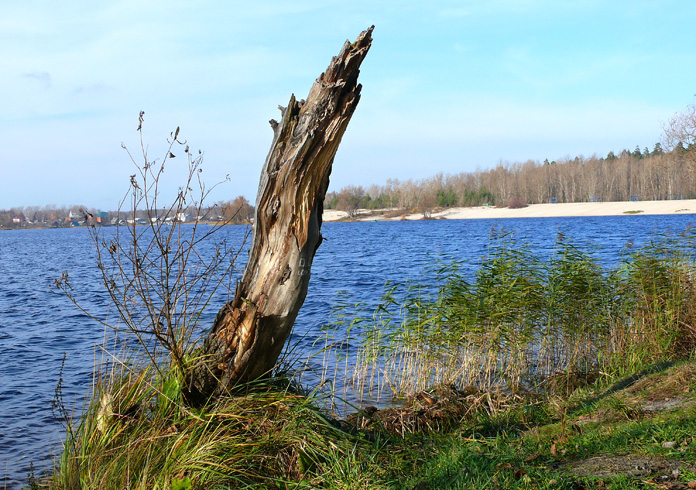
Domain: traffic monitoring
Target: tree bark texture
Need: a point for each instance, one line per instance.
(250, 331)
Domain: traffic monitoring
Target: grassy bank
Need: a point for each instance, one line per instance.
(529, 372)
(638, 432)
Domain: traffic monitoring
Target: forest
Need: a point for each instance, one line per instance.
(647, 175)
(636, 175)
(629, 175)
(663, 173)
(666, 172)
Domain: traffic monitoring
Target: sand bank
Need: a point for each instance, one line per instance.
(687, 206)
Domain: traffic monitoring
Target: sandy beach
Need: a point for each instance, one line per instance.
(687, 206)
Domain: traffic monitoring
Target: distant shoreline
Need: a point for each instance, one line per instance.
(684, 206)
(560, 210)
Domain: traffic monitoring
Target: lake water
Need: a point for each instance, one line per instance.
(38, 326)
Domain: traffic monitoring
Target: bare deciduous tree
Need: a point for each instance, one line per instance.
(681, 128)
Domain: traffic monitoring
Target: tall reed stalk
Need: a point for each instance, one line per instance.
(522, 322)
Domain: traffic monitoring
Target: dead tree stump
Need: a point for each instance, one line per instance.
(250, 331)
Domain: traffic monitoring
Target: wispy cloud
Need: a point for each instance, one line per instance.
(41, 76)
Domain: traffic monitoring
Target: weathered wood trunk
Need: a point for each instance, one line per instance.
(250, 331)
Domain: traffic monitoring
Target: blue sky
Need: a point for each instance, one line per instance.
(447, 87)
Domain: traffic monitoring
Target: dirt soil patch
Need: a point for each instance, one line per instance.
(630, 464)
(666, 404)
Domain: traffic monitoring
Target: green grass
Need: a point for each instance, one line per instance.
(555, 446)
(529, 374)
(137, 433)
(271, 437)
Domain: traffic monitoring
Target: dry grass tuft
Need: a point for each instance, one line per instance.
(440, 409)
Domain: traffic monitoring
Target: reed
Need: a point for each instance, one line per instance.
(522, 322)
(519, 323)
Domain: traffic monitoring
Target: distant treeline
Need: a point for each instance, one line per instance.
(236, 211)
(629, 175)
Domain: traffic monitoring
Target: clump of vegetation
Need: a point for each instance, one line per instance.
(568, 368)
(138, 433)
(523, 323)
(517, 203)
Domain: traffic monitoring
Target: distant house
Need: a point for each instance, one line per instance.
(17, 219)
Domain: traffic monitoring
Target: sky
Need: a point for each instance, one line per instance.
(448, 86)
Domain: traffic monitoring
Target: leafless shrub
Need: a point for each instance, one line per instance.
(517, 203)
(151, 265)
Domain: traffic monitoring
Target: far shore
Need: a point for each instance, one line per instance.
(685, 206)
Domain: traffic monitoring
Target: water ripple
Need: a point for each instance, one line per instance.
(38, 326)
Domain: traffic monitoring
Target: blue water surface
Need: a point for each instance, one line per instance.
(39, 327)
